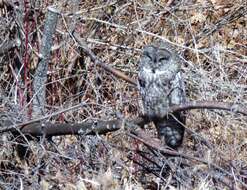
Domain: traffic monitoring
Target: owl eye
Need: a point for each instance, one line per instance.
(142, 83)
(164, 58)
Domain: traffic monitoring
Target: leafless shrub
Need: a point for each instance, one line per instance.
(211, 38)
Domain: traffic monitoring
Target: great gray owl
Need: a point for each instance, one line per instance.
(160, 84)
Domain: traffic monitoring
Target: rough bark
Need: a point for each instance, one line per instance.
(40, 76)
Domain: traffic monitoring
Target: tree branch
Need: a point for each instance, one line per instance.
(40, 76)
(157, 145)
(100, 63)
(85, 128)
(229, 106)
(37, 128)
(239, 12)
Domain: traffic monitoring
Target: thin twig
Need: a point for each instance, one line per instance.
(8, 45)
(157, 144)
(230, 17)
(97, 61)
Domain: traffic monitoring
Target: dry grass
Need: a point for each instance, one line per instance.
(214, 68)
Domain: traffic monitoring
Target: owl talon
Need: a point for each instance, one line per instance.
(170, 136)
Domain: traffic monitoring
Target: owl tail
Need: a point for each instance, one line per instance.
(171, 129)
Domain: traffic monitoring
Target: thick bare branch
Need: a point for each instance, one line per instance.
(85, 128)
(40, 76)
(35, 127)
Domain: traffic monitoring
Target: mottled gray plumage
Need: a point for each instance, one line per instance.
(160, 86)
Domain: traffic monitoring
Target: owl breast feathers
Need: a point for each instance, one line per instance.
(160, 86)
